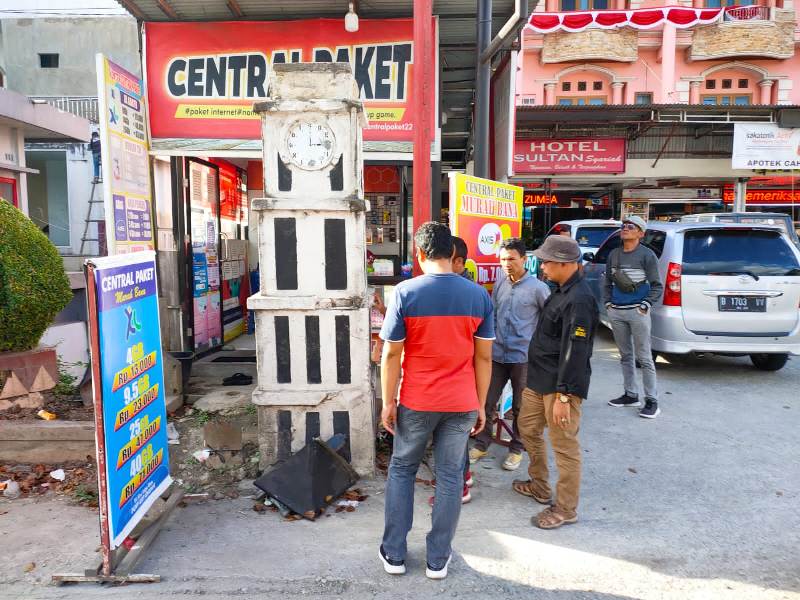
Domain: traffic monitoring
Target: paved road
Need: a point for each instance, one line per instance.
(701, 503)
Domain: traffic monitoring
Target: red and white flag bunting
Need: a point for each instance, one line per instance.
(645, 18)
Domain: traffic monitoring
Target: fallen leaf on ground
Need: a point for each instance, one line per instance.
(632, 470)
(779, 493)
(30, 567)
(259, 507)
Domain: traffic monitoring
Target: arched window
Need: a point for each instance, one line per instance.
(584, 88)
(731, 86)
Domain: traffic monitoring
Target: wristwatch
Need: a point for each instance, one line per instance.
(563, 398)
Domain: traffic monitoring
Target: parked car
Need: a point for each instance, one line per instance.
(782, 220)
(729, 288)
(589, 233)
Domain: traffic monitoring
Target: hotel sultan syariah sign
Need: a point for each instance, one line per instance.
(580, 155)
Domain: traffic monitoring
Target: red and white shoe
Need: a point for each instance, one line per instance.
(469, 480)
(466, 496)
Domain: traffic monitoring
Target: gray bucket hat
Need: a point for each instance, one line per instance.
(559, 248)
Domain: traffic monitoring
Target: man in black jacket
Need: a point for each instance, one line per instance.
(558, 381)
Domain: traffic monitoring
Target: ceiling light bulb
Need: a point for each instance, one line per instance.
(351, 20)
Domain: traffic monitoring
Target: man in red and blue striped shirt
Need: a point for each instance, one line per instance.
(439, 329)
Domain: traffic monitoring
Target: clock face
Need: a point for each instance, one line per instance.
(309, 145)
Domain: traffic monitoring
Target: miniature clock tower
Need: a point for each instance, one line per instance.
(311, 312)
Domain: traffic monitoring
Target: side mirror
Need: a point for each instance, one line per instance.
(588, 256)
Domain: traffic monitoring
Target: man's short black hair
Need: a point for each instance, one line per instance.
(513, 243)
(435, 240)
(461, 248)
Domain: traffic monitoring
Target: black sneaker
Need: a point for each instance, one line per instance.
(625, 401)
(650, 410)
(391, 566)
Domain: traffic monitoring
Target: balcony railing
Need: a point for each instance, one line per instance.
(748, 13)
(82, 106)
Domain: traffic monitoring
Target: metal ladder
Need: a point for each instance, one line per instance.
(89, 219)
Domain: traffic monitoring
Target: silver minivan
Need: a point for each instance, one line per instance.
(729, 289)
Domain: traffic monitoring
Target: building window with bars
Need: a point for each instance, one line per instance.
(727, 100)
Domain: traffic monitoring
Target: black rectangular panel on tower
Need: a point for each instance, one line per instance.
(283, 355)
(341, 424)
(286, 253)
(313, 369)
(335, 255)
(312, 426)
(343, 349)
(284, 449)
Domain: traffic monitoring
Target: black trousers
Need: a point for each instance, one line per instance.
(501, 374)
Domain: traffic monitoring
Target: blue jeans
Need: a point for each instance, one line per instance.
(413, 429)
(96, 163)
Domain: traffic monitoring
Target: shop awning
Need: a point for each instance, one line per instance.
(39, 121)
(645, 18)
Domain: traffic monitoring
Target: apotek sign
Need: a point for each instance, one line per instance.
(765, 146)
(554, 156)
(203, 78)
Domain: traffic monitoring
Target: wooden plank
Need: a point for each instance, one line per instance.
(62, 578)
(145, 540)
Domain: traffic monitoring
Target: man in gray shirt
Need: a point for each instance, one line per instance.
(632, 285)
(518, 298)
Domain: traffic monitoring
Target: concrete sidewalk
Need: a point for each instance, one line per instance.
(700, 503)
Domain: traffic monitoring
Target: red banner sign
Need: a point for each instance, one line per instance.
(584, 155)
(202, 78)
(765, 197)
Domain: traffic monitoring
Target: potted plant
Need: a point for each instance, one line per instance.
(33, 290)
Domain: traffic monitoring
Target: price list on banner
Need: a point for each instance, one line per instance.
(129, 396)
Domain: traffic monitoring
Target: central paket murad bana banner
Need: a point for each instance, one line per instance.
(483, 214)
(203, 78)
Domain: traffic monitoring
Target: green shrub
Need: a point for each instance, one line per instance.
(33, 285)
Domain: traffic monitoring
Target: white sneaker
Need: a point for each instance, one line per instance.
(393, 567)
(440, 574)
(512, 461)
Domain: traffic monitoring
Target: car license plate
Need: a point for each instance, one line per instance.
(742, 303)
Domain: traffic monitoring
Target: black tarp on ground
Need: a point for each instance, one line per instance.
(310, 479)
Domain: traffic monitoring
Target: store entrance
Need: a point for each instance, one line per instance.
(216, 255)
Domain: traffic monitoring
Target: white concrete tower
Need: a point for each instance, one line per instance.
(311, 312)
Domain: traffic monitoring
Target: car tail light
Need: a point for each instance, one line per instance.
(672, 287)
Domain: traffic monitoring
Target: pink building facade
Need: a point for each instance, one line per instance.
(747, 57)
(667, 82)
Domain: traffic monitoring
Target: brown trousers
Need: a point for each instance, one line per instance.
(535, 414)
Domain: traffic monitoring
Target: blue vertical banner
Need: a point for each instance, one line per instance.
(131, 386)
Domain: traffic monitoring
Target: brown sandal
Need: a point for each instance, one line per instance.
(526, 488)
(553, 518)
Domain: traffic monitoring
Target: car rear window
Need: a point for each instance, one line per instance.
(594, 236)
(738, 251)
